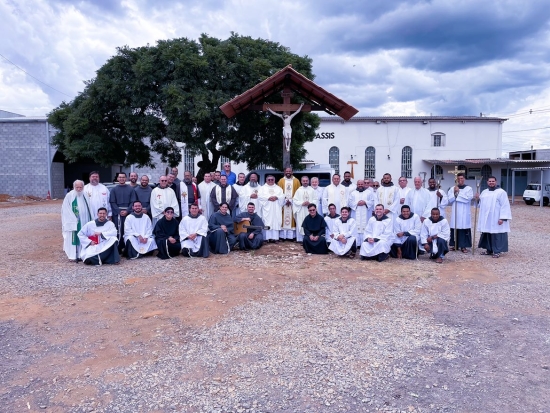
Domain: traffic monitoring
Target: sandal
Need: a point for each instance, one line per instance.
(485, 253)
(452, 249)
(496, 255)
(464, 250)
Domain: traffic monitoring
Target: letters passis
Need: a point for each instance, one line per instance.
(325, 135)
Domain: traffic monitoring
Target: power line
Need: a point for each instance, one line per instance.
(38, 80)
(525, 130)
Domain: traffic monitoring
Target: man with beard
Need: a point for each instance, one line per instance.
(361, 202)
(378, 236)
(193, 234)
(314, 232)
(167, 235)
(75, 212)
(318, 194)
(161, 198)
(249, 193)
(438, 198)
(271, 199)
(335, 194)
(99, 241)
(407, 233)
(120, 205)
(419, 200)
(289, 185)
(138, 234)
(176, 188)
(189, 193)
(330, 220)
(206, 207)
(97, 195)
(494, 219)
(223, 193)
(133, 179)
(375, 186)
(434, 235)
(388, 197)
(220, 231)
(142, 193)
(460, 197)
(253, 238)
(350, 186)
(216, 178)
(344, 235)
(304, 196)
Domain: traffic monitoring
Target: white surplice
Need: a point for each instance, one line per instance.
(271, 211)
(190, 226)
(411, 225)
(419, 200)
(330, 221)
(429, 229)
(349, 230)
(134, 227)
(435, 201)
(70, 220)
(205, 189)
(388, 196)
(383, 231)
(162, 198)
(98, 196)
(361, 213)
(334, 195)
(303, 194)
(494, 205)
(244, 198)
(109, 236)
(462, 203)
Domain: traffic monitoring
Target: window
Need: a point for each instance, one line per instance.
(486, 172)
(463, 168)
(406, 162)
(437, 172)
(188, 162)
(370, 162)
(334, 158)
(438, 139)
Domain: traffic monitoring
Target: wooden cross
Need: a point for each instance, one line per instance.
(455, 172)
(352, 162)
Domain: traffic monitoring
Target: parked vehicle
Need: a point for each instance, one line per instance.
(533, 193)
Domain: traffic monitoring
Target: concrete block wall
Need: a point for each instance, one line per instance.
(24, 158)
(58, 180)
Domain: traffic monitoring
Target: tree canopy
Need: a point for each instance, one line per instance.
(147, 99)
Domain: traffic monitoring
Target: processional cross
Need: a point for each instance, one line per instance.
(352, 162)
(455, 172)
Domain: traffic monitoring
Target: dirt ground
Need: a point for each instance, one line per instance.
(50, 335)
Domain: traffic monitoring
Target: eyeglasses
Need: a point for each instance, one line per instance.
(271, 179)
(164, 180)
(376, 186)
(312, 210)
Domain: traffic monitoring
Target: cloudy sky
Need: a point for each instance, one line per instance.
(439, 57)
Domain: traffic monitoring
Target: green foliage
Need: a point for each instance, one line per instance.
(152, 97)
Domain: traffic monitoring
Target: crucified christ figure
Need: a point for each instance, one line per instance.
(287, 129)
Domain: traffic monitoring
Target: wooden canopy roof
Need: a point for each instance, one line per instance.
(298, 83)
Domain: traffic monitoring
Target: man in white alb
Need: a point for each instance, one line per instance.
(289, 185)
(249, 193)
(304, 196)
(75, 213)
(138, 233)
(271, 199)
(315, 185)
(97, 195)
(205, 189)
(403, 189)
(335, 194)
(163, 197)
(388, 196)
(419, 200)
(361, 202)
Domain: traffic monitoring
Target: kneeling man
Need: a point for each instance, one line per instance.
(138, 234)
(252, 239)
(221, 231)
(314, 227)
(434, 235)
(407, 231)
(344, 240)
(193, 231)
(167, 235)
(99, 241)
(378, 236)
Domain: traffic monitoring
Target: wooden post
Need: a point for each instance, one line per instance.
(352, 162)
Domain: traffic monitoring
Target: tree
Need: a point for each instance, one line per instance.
(148, 99)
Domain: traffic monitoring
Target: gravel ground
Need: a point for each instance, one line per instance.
(307, 334)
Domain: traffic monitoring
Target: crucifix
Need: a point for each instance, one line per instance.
(352, 162)
(286, 108)
(455, 172)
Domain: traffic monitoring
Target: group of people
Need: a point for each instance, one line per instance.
(176, 217)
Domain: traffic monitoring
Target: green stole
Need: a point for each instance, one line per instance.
(76, 240)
